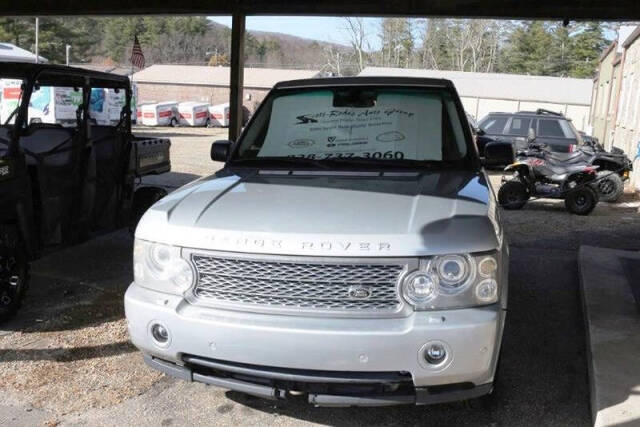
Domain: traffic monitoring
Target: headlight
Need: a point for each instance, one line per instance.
(420, 288)
(160, 267)
(455, 272)
(453, 281)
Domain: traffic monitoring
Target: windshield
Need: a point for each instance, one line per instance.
(494, 125)
(393, 124)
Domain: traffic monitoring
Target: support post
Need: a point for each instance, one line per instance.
(37, 37)
(237, 75)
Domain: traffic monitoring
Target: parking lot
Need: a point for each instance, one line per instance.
(66, 357)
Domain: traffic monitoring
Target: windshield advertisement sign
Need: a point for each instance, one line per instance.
(398, 126)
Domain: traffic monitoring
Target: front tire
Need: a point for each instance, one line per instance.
(14, 271)
(581, 201)
(513, 195)
(609, 186)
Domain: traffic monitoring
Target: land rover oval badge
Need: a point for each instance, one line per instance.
(359, 292)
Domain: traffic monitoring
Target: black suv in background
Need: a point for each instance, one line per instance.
(546, 127)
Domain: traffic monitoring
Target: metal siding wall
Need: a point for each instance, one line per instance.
(579, 115)
(533, 106)
(470, 105)
(486, 106)
(627, 131)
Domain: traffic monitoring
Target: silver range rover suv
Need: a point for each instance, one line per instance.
(349, 252)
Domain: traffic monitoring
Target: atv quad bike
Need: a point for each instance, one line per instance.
(62, 182)
(541, 174)
(614, 168)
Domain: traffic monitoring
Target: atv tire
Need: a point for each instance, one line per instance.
(609, 186)
(14, 271)
(581, 201)
(143, 199)
(513, 195)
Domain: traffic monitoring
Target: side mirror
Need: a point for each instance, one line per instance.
(220, 150)
(531, 136)
(498, 154)
(480, 132)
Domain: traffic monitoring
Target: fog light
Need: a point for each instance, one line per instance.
(160, 334)
(435, 354)
(487, 291)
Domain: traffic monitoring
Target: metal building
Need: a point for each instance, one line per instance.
(209, 84)
(483, 93)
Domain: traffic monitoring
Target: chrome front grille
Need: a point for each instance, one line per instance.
(357, 287)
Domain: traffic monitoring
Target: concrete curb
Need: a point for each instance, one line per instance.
(612, 325)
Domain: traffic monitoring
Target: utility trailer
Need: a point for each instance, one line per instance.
(160, 114)
(62, 185)
(219, 115)
(194, 114)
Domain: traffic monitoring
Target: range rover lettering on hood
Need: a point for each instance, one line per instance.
(342, 246)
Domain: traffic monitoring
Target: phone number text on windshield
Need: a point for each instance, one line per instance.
(397, 155)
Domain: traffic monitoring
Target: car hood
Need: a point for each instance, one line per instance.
(328, 214)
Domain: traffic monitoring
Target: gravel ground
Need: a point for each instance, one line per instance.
(66, 358)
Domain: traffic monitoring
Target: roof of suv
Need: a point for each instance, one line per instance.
(362, 81)
(537, 113)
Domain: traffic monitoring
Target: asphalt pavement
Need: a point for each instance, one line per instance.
(543, 377)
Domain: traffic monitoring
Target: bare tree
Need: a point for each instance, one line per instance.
(334, 60)
(357, 33)
(397, 42)
(461, 44)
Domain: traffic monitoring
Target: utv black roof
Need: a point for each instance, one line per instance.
(61, 75)
(364, 81)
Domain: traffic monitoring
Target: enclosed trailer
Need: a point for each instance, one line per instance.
(138, 113)
(219, 114)
(194, 113)
(160, 114)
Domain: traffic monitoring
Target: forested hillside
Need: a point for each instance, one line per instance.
(536, 47)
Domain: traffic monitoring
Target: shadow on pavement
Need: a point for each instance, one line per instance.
(66, 354)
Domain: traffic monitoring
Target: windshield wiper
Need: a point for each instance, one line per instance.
(401, 163)
(280, 161)
(332, 162)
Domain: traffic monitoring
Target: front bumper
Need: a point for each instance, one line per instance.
(389, 352)
(321, 389)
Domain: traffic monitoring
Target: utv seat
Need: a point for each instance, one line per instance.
(62, 173)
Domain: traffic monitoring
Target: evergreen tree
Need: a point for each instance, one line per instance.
(561, 49)
(586, 48)
(83, 34)
(17, 31)
(529, 50)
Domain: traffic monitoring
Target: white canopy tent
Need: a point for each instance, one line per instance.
(12, 53)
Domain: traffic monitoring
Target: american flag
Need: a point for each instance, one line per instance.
(137, 57)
